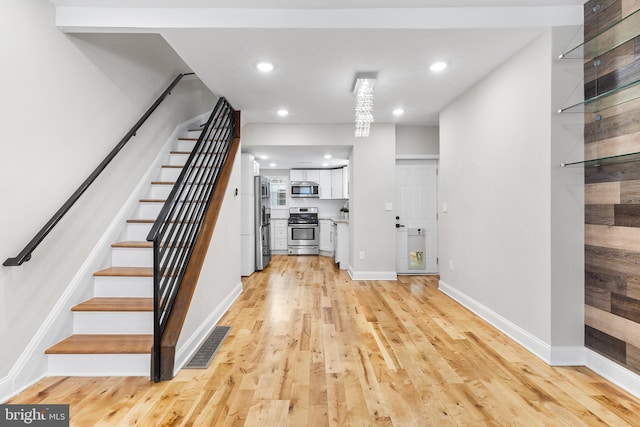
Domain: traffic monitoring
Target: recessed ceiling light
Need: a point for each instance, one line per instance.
(438, 66)
(263, 157)
(327, 156)
(283, 113)
(325, 164)
(398, 112)
(273, 165)
(265, 67)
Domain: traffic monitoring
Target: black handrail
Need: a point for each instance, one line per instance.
(176, 229)
(25, 254)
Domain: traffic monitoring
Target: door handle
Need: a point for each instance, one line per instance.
(399, 225)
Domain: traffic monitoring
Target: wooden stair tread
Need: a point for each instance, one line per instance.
(103, 344)
(133, 244)
(125, 272)
(140, 221)
(115, 304)
(189, 152)
(141, 245)
(164, 200)
(173, 183)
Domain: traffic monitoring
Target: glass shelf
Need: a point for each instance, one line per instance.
(620, 32)
(621, 158)
(612, 98)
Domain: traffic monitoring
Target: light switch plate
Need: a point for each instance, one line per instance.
(388, 206)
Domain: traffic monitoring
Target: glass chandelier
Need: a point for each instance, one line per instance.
(363, 90)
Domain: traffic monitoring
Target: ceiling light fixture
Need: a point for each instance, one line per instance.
(325, 164)
(283, 113)
(398, 112)
(265, 67)
(363, 90)
(438, 66)
(273, 165)
(264, 157)
(327, 156)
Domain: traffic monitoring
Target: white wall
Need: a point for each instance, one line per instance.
(372, 181)
(510, 244)
(219, 282)
(67, 101)
(413, 140)
(495, 180)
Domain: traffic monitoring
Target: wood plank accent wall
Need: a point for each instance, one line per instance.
(612, 197)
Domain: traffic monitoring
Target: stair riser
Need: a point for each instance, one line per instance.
(99, 365)
(137, 231)
(132, 257)
(123, 287)
(91, 322)
(149, 210)
(170, 174)
(178, 159)
(186, 145)
(160, 191)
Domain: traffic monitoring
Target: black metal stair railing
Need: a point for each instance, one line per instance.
(25, 254)
(176, 229)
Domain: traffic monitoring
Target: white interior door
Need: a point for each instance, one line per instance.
(416, 216)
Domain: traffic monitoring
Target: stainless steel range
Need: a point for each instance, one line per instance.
(303, 237)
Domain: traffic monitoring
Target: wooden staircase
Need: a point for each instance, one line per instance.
(113, 330)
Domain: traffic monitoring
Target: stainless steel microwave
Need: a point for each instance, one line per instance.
(304, 189)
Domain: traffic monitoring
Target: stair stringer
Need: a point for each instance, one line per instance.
(32, 364)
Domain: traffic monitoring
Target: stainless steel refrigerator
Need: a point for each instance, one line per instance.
(262, 199)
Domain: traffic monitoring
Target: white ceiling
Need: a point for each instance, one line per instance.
(318, 46)
(313, 4)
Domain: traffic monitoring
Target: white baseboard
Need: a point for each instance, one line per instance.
(513, 331)
(188, 349)
(552, 355)
(617, 374)
(371, 275)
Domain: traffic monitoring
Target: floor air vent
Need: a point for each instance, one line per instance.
(209, 348)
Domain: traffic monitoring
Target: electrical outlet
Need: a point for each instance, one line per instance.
(361, 255)
(450, 265)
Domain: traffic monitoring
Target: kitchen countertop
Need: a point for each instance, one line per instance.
(336, 219)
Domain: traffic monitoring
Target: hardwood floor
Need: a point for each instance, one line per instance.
(310, 347)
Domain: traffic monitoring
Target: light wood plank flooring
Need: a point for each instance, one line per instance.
(309, 347)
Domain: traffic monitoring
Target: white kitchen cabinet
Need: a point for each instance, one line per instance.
(279, 234)
(297, 175)
(336, 183)
(345, 182)
(325, 184)
(341, 244)
(312, 175)
(326, 235)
